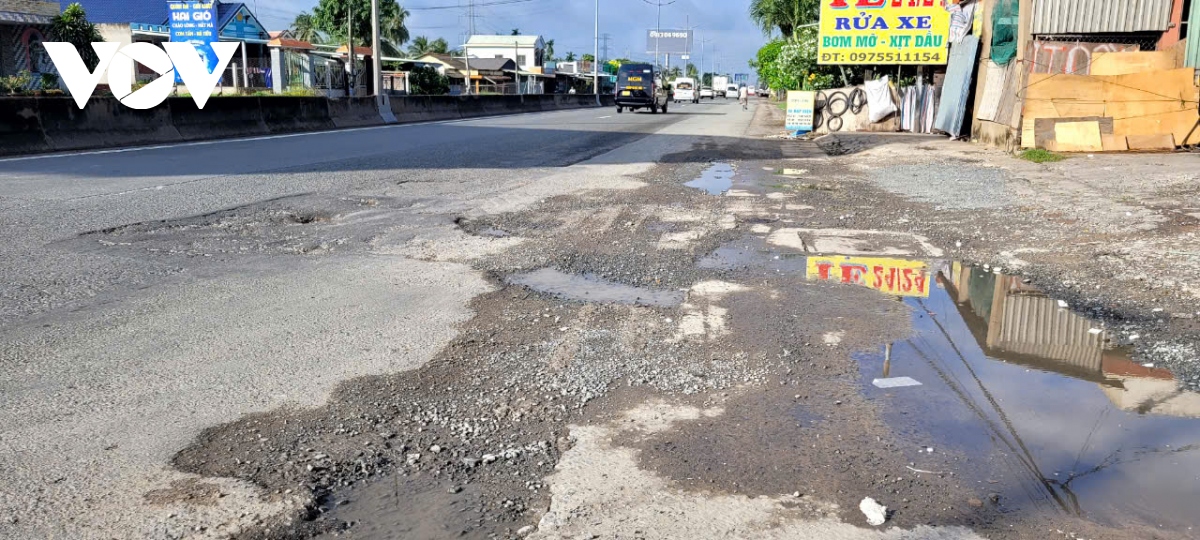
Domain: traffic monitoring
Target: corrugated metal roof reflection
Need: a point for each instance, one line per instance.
(1100, 16)
(1037, 326)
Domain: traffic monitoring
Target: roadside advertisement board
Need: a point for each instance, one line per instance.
(800, 105)
(669, 41)
(900, 277)
(195, 23)
(883, 32)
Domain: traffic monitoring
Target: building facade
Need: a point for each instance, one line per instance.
(24, 25)
(527, 51)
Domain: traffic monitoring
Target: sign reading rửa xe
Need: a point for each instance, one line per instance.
(883, 32)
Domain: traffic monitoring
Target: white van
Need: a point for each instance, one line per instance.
(731, 91)
(685, 90)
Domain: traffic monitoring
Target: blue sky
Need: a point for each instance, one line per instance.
(570, 23)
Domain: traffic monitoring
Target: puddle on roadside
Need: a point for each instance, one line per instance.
(1051, 417)
(715, 180)
(1048, 414)
(589, 288)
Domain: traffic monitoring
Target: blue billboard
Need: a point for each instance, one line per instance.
(196, 23)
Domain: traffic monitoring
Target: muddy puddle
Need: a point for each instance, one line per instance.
(1029, 402)
(715, 180)
(588, 288)
(1025, 399)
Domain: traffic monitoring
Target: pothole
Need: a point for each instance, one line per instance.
(589, 288)
(1055, 416)
(715, 180)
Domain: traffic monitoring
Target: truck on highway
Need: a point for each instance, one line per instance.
(720, 85)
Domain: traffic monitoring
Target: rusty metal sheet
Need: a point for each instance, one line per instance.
(1100, 16)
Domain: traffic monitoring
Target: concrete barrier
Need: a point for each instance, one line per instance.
(221, 118)
(106, 123)
(353, 112)
(21, 127)
(426, 108)
(31, 125)
(292, 114)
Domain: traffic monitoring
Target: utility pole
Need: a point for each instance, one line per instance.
(658, 26)
(466, 51)
(376, 52)
(596, 58)
(350, 86)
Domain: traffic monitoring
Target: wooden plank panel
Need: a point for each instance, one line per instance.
(1124, 63)
(1077, 137)
(1114, 143)
(1044, 127)
(1159, 142)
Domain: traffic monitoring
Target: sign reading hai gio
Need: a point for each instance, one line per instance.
(910, 32)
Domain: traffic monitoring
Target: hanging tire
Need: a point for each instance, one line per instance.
(835, 124)
(837, 104)
(857, 100)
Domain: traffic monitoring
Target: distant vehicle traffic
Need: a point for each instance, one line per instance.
(707, 92)
(731, 91)
(685, 90)
(764, 92)
(638, 87)
(720, 85)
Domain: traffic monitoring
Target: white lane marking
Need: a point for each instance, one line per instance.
(603, 117)
(267, 137)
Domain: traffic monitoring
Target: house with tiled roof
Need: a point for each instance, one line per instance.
(24, 25)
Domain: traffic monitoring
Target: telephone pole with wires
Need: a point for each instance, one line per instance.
(658, 25)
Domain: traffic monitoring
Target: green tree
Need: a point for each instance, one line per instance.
(588, 58)
(333, 18)
(427, 81)
(304, 28)
(692, 71)
(439, 46)
(570, 57)
(419, 47)
(550, 50)
(72, 26)
(784, 15)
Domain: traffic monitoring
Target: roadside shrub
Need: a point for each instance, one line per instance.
(49, 81)
(427, 81)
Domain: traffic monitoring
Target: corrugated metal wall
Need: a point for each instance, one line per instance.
(1037, 326)
(1100, 16)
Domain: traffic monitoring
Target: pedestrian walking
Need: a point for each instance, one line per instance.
(744, 98)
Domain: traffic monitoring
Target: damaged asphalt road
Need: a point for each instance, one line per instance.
(659, 327)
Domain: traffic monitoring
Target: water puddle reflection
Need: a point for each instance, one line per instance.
(589, 288)
(1050, 415)
(1029, 401)
(715, 180)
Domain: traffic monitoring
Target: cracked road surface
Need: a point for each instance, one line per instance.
(529, 326)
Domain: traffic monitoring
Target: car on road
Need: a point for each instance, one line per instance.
(685, 90)
(764, 92)
(707, 92)
(639, 87)
(731, 91)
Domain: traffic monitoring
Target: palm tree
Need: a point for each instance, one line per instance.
(304, 28)
(570, 57)
(550, 50)
(392, 27)
(439, 46)
(784, 15)
(418, 47)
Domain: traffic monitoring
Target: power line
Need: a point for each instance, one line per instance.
(481, 4)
